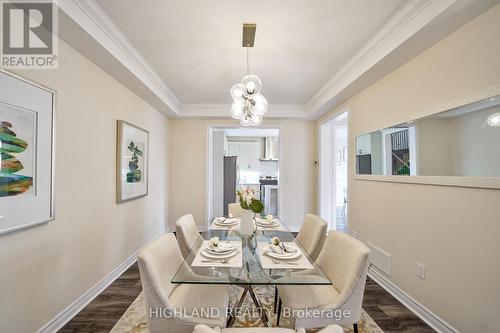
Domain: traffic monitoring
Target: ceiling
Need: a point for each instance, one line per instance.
(195, 46)
(182, 56)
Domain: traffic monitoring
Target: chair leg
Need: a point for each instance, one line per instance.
(275, 298)
(279, 312)
(355, 325)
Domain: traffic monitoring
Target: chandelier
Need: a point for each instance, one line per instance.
(249, 105)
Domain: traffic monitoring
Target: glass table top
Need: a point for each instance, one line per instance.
(251, 271)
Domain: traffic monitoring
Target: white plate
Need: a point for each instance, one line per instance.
(287, 255)
(219, 255)
(220, 251)
(267, 225)
(219, 222)
(265, 221)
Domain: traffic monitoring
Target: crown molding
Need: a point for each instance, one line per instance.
(92, 18)
(223, 110)
(407, 21)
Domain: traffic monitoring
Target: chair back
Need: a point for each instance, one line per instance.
(235, 209)
(345, 261)
(158, 263)
(312, 234)
(187, 234)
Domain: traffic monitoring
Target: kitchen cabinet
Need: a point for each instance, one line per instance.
(248, 154)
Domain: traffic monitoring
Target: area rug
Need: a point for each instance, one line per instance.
(134, 319)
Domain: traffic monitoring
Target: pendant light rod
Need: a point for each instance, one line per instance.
(248, 63)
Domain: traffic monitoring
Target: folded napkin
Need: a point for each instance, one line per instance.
(226, 219)
(222, 247)
(279, 249)
(266, 221)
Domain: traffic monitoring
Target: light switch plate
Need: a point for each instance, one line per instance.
(421, 271)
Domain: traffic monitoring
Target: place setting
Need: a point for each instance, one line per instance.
(225, 223)
(278, 254)
(217, 253)
(268, 223)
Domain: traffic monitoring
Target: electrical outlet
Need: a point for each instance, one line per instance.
(421, 271)
(354, 233)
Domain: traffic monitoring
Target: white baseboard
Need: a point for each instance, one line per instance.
(74, 308)
(421, 311)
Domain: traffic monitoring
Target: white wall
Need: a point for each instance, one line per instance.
(475, 145)
(188, 161)
(453, 231)
(218, 173)
(45, 268)
(434, 147)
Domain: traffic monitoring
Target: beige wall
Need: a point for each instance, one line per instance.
(452, 231)
(188, 168)
(45, 268)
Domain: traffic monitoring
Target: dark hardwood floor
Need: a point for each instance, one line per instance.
(107, 308)
(389, 313)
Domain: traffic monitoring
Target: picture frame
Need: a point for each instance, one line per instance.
(132, 162)
(27, 138)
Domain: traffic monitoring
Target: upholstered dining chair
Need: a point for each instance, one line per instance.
(311, 237)
(345, 262)
(167, 302)
(187, 234)
(312, 234)
(206, 329)
(235, 209)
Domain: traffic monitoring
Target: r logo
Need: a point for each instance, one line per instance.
(27, 28)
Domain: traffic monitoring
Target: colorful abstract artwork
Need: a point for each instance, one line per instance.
(132, 162)
(17, 132)
(135, 163)
(26, 153)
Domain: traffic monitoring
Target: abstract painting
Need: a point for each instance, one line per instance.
(17, 133)
(26, 153)
(132, 162)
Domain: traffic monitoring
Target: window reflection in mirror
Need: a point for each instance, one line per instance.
(464, 141)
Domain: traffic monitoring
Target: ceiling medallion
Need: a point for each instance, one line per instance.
(248, 103)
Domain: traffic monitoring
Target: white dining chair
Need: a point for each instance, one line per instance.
(311, 237)
(312, 234)
(345, 262)
(235, 209)
(187, 234)
(166, 302)
(206, 329)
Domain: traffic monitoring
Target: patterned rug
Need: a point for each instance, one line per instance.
(134, 319)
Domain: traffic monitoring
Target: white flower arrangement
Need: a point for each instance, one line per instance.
(249, 201)
(269, 218)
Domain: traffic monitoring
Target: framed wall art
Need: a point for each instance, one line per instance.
(132, 162)
(27, 153)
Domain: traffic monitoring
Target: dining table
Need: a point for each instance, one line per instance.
(254, 260)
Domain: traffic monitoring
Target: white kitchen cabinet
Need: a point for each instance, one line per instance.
(248, 154)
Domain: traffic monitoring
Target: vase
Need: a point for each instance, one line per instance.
(247, 224)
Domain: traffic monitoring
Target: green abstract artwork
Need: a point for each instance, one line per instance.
(135, 174)
(11, 181)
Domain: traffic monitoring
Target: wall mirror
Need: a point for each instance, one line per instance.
(460, 142)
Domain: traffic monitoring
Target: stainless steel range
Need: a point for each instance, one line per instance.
(269, 195)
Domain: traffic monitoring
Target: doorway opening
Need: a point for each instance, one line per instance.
(243, 157)
(333, 172)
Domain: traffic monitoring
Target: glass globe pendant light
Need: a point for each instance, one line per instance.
(249, 105)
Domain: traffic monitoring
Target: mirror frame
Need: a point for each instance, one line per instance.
(456, 181)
